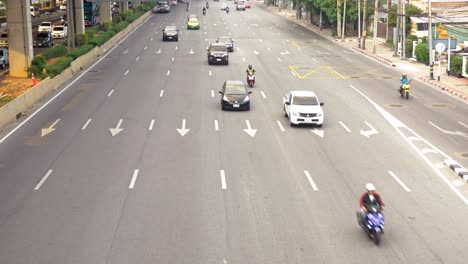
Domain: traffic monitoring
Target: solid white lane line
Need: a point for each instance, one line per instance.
(137, 58)
(126, 72)
(278, 59)
(134, 177)
(210, 73)
(172, 59)
(223, 180)
(263, 94)
(161, 93)
(293, 73)
(43, 180)
(399, 181)
(216, 125)
(110, 93)
(344, 126)
(168, 72)
(280, 125)
(151, 125)
(461, 123)
(212, 93)
(312, 183)
(86, 124)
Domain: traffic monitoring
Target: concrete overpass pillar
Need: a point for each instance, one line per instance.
(19, 37)
(124, 6)
(105, 12)
(135, 5)
(79, 16)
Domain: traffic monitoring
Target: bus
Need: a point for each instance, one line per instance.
(91, 13)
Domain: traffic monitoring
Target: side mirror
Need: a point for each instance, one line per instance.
(321, 103)
(220, 92)
(286, 103)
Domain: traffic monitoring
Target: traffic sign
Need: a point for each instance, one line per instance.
(440, 47)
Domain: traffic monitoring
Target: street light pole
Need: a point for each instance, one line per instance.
(359, 24)
(429, 42)
(376, 19)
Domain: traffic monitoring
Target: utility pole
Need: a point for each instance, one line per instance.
(338, 18)
(364, 24)
(429, 42)
(344, 21)
(403, 29)
(359, 24)
(376, 19)
(397, 28)
(389, 5)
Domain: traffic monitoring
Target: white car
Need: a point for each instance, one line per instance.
(303, 107)
(46, 26)
(59, 32)
(224, 6)
(240, 5)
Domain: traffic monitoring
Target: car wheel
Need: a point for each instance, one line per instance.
(209, 62)
(227, 62)
(3, 65)
(285, 114)
(291, 124)
(248, 108)
(319, 125)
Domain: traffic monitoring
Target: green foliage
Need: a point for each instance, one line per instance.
(59, 66)
(424, 40)
(120, 26)
(81, 39)
(100, 39)
(412, 37)
(91, 33)
(37, 66)
(55, 51)
(456, 64)
(106, 26)
(408, 48)
(422, 53)
(116, 19)
(126, 14)
(389, 42)
(411, 10)
(80, 51)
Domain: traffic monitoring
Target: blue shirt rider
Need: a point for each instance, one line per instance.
(403, 80)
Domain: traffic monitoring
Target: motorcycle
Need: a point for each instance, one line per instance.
(204, 11)
(207, 6)
(404, 91)
(374, 225)
(227, 10)
(251, 79)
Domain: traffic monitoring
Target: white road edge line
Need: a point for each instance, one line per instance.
(168, 72)
(216, 125)
(134, 177)
(151, 125)
(69, 85)
(110, 93)
(344, 126)
(263, 94)
(223, 180)
(280, 125)
(399, 181)
(312, 183)
(43, 180)
(161, 93)
(86, 124)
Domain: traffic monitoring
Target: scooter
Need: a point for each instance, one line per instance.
(207, 5)
(204, 11)
(251, 79)
(374, 226)
(227, 10)
(404, 91)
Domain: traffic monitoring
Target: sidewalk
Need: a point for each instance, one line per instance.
(384, 54)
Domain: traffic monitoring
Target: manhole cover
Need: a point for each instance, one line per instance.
(395, 105)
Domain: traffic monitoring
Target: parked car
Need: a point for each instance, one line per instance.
(4, 39)
(59, 32)
(46, 26)
(303, 107)
(234, 96)
(217, 53)
(43, 39)
(170, 33)
(4, 59)
(227, 41)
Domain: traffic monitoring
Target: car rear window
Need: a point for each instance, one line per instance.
(305, 100)
(234, 89)
(224, 40)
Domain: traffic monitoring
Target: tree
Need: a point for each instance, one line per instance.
(411, 10)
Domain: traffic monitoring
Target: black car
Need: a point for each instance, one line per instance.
(234, 96)
(227, 41)
(44, 39)
(170, 33)
(218, 53)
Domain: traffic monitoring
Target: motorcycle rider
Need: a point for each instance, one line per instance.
(250, 70)
(204, 11)
(207, 6)
(369, 198)
(227, 9)
(403, 81)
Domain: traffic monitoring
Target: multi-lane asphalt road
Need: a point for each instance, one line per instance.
(134, 161)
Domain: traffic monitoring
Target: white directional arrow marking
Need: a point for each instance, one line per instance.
(256, 52)
(284, 52)
(117, 129)
(158, 51)
(455, 133)
(191, 52)
(125, 52)
(249, 129)
(318, 132)
(50, 129)
(368, 133)
(182, 131)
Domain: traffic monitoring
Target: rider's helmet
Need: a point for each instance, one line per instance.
(370, 187)
(250, 67)
(404, 75)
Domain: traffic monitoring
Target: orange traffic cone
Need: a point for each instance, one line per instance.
(33, 80)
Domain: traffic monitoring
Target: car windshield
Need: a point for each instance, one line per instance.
(4, 35)
(1, 53)
(305, 100)
(224, 40)
(235, 89)
(46, 24)
(42, 35)
(193, 20)
(171, 31)
(218, 48)
(58, 28)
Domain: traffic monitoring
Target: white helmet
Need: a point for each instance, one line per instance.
(370, 187)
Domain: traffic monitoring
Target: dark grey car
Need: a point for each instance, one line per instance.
(218, 53)
(170, 33)
(234, 96)
(44, 39)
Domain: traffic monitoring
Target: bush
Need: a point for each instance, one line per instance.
(116, 19)
(120, 26)
(81, 39)
(37, 67)
(413, 37)
(408, 48)
(59, 66)
(91, 33)
(80, 51)
(424, 39)
(100, 39)
(54, 52)
(422, 54)
(126, 14)
(106, 26)
(456, 64)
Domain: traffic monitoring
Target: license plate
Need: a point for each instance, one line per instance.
(236, 105)
(170, 37)
(218, 59)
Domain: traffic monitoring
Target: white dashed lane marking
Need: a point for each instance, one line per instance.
(38, 186)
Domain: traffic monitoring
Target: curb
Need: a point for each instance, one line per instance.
(383, 60)
(445, 88)
(458, 169)
(345, 40)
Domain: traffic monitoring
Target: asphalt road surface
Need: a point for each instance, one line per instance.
(134, 161)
